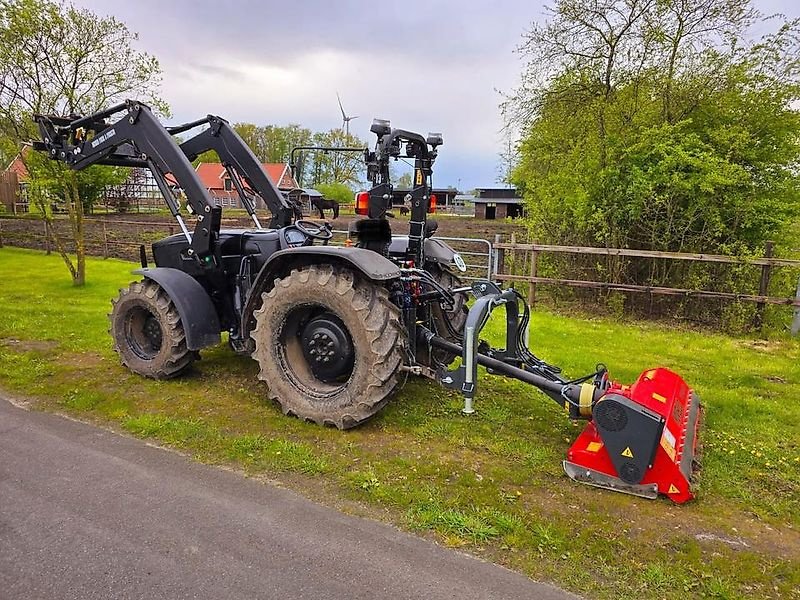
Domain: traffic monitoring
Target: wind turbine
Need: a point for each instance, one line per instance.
(345, 119)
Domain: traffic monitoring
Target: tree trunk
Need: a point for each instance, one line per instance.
(79, 275)
(42, 201)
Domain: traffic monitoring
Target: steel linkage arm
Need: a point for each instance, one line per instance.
(242, 166)
(137, 139)
(577, 395)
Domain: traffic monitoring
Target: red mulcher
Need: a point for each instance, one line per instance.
(640, 439)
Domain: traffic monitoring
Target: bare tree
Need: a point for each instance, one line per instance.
(58, 59)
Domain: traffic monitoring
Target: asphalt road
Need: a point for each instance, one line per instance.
(86, 513)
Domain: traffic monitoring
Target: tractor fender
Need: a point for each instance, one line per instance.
(370, 264)
(435, 250)
(197, 312)
(440, 252)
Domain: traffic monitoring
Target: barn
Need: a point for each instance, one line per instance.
(498, 203)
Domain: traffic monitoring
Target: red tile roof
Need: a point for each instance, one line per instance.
(18, 167)
(213, 175)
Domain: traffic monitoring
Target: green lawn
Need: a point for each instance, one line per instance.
(491, 483)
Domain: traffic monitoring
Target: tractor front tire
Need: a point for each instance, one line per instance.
(329, 346)
(148, 333)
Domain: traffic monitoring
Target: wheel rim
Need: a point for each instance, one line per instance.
(143, 333)
(316, 350)
(327, 347)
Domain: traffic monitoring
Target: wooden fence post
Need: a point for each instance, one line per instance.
(1, 233)
(105, 241)
(763, 284)
(499, 255)
(46, 238)
(513, 267)
(532, 283)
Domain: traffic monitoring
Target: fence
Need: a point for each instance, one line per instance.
(102, 237)
(482, 257)
(531, 254)
(478, 262)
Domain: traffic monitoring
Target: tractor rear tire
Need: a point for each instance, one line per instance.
(448, 324)
(329, 346)
(148, 333)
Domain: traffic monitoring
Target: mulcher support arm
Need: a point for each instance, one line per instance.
(577, 397)
(138, 139)
(241, 164)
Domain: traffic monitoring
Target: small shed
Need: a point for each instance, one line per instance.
(498, 203)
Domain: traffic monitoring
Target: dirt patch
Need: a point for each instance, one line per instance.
(452, 227)
(733, 542)
(38, 346)
(769, 346)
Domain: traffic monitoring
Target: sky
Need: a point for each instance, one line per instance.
(434, 65)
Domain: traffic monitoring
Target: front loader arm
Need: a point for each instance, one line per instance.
(138, 139)
(241, 164)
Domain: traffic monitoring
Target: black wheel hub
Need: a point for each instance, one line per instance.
(143, 333)
(327, 347)
(152, 330)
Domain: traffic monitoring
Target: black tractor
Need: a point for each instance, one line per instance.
(335, 330)
(327, 325)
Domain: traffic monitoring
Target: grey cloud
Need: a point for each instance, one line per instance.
(433, 65)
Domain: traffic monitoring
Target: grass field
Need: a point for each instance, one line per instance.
(490, 483)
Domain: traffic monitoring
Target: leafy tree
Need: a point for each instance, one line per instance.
(49, 189)
(405, 181)
(657, 125)
(58, 59)
(8, 151)
(335, 167)
(336, 191)
(273, 143)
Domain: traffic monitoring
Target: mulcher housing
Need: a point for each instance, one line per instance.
(335, 330)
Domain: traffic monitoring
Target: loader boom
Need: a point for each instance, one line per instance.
(137, 139)
(240, 163)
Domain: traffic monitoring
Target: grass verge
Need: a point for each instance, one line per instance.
(490, 483)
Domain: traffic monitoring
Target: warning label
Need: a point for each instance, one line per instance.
(627, 452)
(668, 443)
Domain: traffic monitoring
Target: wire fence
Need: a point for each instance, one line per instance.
(522, 263)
